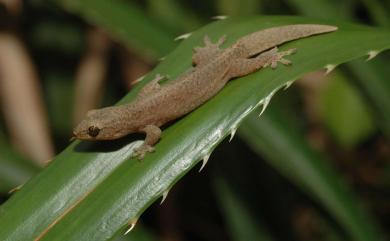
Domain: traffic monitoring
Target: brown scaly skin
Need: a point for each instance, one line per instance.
(155, 105)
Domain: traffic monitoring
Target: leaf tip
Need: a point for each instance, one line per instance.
(15, 189)
(219, 17)
(232, 133)
(183, 36)
(138, 80)
(204, 161)
(372, 54)
(288, 84)
(164, 196)
(131, 225)
(265, 101)
(329, 68)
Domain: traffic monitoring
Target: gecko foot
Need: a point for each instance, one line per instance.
(140, 152)
(278, 57)
(159, 77)
(209, 44)
(203, 55)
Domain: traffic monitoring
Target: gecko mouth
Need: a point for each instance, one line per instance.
(72, 138)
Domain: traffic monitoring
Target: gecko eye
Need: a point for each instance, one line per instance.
(93, 131)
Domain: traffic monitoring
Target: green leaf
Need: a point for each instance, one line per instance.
(59, 91)
(370, 76)
(284, 148)
(374, 83)
(340, 105)
(240, 222)
(14, 169)
(323, 9)
(93, 191)
(63, 37)
(377, 11)
(170, 11)
(238, 8)
(126, 22)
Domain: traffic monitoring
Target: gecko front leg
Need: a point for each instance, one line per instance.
(242, 67)
(153, 134)
(151, 87)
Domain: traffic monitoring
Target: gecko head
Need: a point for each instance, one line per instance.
(101, 124)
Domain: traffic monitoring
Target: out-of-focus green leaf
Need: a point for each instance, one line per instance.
(240, 223)
(173, 15)
(378, 12)
(125, 21)
(59, 92)
(14, 169)
(93, 191)
(286, 150)
(57, 36)
(371, 76)
(344, 112)
(323, 9)
(238, 8)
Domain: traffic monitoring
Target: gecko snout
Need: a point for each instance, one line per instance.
(72, 138)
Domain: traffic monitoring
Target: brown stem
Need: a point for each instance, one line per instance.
(91, 74)
(21, 99)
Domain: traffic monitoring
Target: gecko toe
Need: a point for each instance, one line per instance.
(141, 151)
(285, 61)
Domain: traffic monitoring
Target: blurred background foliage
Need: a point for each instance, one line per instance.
(73, 55)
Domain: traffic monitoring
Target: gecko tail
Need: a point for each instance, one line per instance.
(262, 40)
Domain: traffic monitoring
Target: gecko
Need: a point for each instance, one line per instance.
(156, 104)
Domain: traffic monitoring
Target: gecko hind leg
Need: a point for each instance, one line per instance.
(203, 55)
(279, 57)
(153, 134)
(244, 66)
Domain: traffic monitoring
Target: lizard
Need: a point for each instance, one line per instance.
(157, 104)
